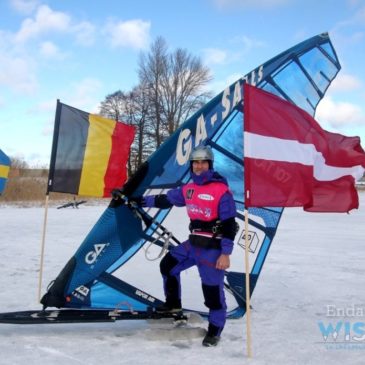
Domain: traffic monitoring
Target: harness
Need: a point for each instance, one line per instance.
(214, 227)
(205, 234)
(202, 206)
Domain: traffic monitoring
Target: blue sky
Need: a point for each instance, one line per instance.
(80, 51)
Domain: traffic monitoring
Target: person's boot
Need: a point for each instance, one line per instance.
(170, 307)
(211, 338)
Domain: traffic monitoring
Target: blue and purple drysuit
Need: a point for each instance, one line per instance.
(212, 212)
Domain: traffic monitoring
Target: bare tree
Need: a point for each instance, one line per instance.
(176, 84)
(171, 87)
(19, 163)
(136, 113)
(112, 106)
(132, 108)
(151, 73)
(183, 88)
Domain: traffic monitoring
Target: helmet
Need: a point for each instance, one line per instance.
(202, 153)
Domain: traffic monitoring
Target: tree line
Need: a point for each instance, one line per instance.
(171, 87)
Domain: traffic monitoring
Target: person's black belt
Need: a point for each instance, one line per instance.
(200, 241)
(202, 226)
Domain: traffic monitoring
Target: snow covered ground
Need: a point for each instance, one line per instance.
(314, 274)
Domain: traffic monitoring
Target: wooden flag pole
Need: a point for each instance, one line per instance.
(56, 131)
(247, 269)
(42, 248)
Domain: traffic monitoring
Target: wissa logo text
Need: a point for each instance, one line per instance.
(349, 330)
(342, 331)
(92, 256)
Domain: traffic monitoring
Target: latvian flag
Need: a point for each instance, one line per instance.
(289, 160)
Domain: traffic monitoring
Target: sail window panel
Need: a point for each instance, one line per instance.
(329, 50)
(171, 172)
(282, 67)
(269, 215)
(271, 89)
(230, 137)
(319, 67)
(232, 171)
(293, 82)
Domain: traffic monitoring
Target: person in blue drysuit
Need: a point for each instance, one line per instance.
(212, 213)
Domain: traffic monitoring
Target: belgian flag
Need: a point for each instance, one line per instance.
(4, 170)
(89, 153)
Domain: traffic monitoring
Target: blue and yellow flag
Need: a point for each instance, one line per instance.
(4, 170)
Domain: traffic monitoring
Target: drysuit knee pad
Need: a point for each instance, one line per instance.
(167, 264)
(212, 296)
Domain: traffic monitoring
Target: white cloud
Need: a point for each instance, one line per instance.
(50, 50)
(242, 46)
(130, 33)
(85, 33)
(345, 82)
(17, 73)
(48, 126)
(46, 20)
(85, 94)
(348, 37)
(17, 67)
(24, 6)
(339, 114)
(360, 15)
(246, 43)
(214, 56)
(19, 63)
(354, 2)
(219, 85)
(234, 4)
(45, 106)
(349, 31)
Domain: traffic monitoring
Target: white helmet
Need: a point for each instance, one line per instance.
(202, 153)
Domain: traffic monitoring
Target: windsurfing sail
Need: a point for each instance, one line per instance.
(110, 270)
(4, 170)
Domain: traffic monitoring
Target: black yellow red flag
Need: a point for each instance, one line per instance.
(89, 153)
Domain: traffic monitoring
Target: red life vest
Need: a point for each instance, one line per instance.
(202, 201)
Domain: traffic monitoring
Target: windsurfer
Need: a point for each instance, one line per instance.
(212, 212)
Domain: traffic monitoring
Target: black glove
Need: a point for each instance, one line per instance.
(117, 194)
(136, 200)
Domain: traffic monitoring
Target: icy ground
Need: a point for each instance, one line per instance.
(315, 272)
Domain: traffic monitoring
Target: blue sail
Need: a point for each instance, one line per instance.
(105, 271)
(4, 170)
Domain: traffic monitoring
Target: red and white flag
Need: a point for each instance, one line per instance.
(291, 161)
